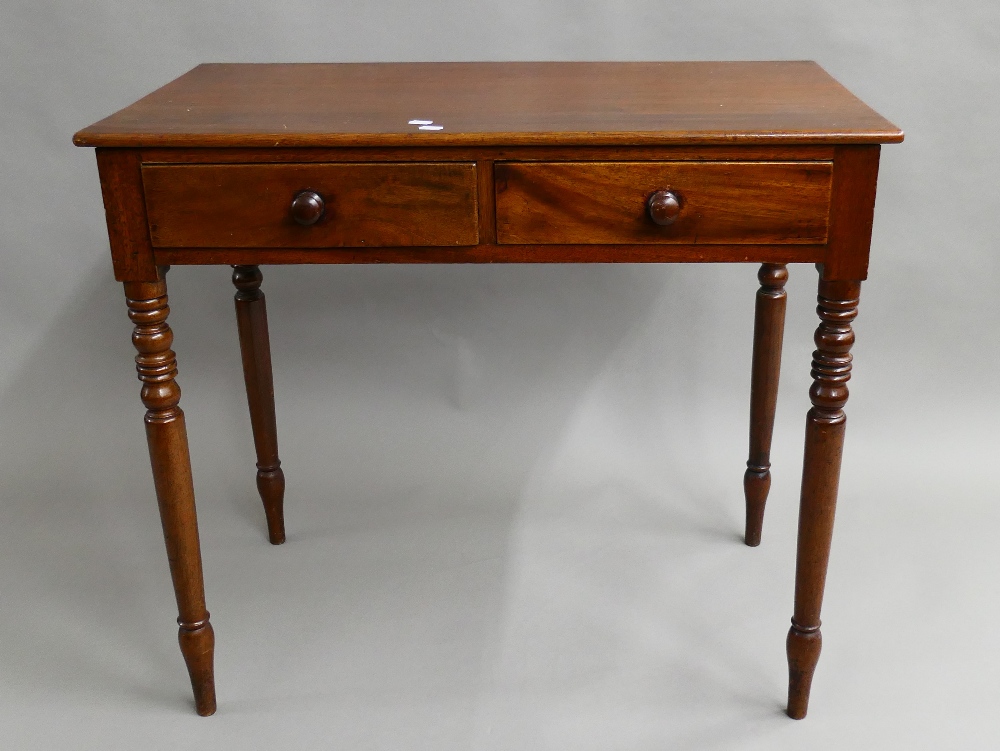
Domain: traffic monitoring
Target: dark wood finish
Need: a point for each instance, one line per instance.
(853, 210)
(125, 211)
(605, 202)
(308, 208)
(663, 207)
(487, 204)
(168, 455)
(760, 152)
(255, 345)
(769, 162)
(367, 205)
(500, 254)
(510, 103)
(768, 332)
(825, 423)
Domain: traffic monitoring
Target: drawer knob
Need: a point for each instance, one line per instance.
(308, 207)
(663, 206)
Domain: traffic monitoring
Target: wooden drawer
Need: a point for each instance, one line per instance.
(366, 205)
(605, 202)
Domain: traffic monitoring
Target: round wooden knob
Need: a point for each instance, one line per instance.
(308, 207)
(663, 206)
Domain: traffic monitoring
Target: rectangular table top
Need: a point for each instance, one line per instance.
(495, 103)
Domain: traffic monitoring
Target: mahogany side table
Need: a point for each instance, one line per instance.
(765, 162)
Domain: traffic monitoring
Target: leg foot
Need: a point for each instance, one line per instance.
(756, 484)
(271, 487)
(803, 648)
(198, 647)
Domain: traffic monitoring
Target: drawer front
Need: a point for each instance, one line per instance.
(363, 205)
(605, 202)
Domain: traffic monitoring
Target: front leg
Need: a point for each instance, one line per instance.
(825, 423)
(171, 464)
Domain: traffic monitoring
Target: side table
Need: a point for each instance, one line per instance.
(246, 165)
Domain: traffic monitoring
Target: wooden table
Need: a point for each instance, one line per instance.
(766, 162)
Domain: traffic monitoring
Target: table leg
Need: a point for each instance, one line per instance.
(825, 423)
(768, 331)
(171, 464)
(251, 320)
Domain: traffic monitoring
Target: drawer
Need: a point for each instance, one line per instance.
(606, 202)
(363, 205)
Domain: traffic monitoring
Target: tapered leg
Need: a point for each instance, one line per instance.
(831, 370)
(251, 319)
(171, 463)
(768, 331)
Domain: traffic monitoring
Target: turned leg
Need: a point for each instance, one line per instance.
(251, 319)
(768, 330)
(171, 463)
(831, 370)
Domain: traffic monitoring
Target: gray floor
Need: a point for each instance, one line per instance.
(504, 532)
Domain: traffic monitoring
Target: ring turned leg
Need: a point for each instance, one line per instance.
(171, 463)
(825, 423)
(768, 331)
(251, 319)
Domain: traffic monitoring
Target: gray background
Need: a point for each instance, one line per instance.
(514, 493)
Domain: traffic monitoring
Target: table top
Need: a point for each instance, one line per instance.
(495, 103)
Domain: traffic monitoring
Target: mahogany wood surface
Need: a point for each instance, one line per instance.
(255, 346)
(171, 464)
(663, 207)
(768, 332)
(508, 103)
(484, 153)
(125, 212)
(852, 212)
(308, 207)
(825, 423)
(367, 205)
(487, 253)
(605, 203)
(765, 162)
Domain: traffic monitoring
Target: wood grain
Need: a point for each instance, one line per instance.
(759, 152)
(255, 348)
(170, 459)
(773, 163)
(568, 103)
(367, 205)
(125, 212)
(824, 446)
(768, 333)
(855, 174)
(605, 202)
(485, 253)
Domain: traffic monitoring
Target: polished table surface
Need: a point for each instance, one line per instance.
(527, 162)
(510, 104)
